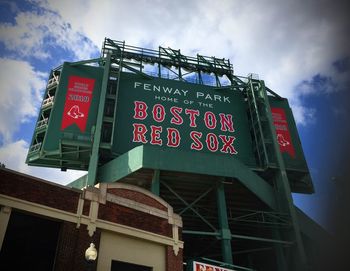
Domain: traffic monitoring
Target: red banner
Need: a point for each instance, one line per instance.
(283, 136)
(78, 100)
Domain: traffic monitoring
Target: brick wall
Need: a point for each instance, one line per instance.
(71, 247)
(38, 191)
(174, 262)
(74, 241)
(133, 218)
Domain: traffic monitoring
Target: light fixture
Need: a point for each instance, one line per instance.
(91, 253)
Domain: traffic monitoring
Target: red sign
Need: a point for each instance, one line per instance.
(78, 100)
(197, 266)
(282, 131)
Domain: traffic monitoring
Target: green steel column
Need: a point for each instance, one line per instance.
(278, 248)
(284, 195)
(93, 164)
(155, 186)
(225, 232)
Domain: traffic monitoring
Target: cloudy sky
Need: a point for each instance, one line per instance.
(300, 49)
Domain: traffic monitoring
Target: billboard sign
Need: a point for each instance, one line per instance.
(290, 146)
(287, 134)
(198, 266)
(169, 114)
(185, 116)
(75, 106)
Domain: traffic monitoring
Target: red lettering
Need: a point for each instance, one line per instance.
(212, 142)
(158, 113)
(173, 137)
(210, 120)
(228, 144)
(196, 144)
(139, 133)
(155, 135)
(176, 119)
(193, 114)
(226, 122)
(140, 110)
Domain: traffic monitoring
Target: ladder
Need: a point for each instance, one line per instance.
(45, 113)
(257, 107)
(110, 108)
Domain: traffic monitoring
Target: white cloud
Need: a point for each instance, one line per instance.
(20, 97)
(14, 154)
(34, 32)
(284, 42)
(304, 115)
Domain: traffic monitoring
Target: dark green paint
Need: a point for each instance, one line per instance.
(225, 232)
(54, 132)
(68, 148)
(146, 156)
(94, 158)
(296, 167)
(128, 94)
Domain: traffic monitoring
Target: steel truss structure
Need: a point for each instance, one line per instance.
(232, 214)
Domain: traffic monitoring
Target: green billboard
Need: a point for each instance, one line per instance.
(76, 105)
(168, 114)
(63, 134)
(290, 145)
(176, 114)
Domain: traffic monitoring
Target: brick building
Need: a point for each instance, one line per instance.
(45, 226)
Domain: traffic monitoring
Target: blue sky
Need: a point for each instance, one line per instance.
(300, 49)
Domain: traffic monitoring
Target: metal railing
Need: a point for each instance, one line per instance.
(35, 147)
(41, 124)
(47, 102)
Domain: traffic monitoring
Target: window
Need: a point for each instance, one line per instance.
(123, 266)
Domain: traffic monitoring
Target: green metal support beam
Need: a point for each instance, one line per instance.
(202, 233)
(190, 207)
(79, 183)
(155, 186)
(249, 251)
(153, 157)
(239, 236)
(83, 62)
(136, 71)
(254, 238)
(196, 200)
(225, 232)
(93, 164)
(284, 196)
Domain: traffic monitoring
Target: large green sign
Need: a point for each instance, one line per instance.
(75, 105)
(63, 134)
(175, 114)
(290, 145)
(169, 114)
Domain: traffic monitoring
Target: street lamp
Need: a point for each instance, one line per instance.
(91, 255)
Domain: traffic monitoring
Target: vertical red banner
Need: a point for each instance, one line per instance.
(283, 136)
(78, 101)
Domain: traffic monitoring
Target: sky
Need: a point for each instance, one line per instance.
(299, 48)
